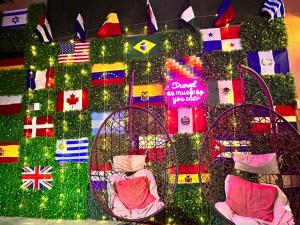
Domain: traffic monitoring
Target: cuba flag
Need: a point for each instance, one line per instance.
(79, 28)
(226, 14)
(151, 20)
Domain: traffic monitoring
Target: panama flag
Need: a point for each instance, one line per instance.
(79, 28)
(225, 14)
(224, 38)
(111, 27)
(43, 30)
(225, 92)
(72, 150)
(186, 120)
(37, 177)
(97, 120)
(40, 79)
(38, 126)
(10, 105)
(99, 174)
(72, 100)
(150, 18)
(14, 18)
(269, 62)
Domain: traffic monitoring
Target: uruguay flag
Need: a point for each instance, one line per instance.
(43, 30)
(269, 62)
(79, 28)
(150, 18)
(14, 18)
(275, 8)
(226, 14)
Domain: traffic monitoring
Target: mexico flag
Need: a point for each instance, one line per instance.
(186, 120)
(9, 152)
(10, 105)
(38, 126)
(72, 100)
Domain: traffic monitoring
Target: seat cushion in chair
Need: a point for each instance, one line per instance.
(250, 199)
(134, 192)
(128, 163)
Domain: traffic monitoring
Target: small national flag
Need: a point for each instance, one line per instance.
(108, 74)
(40, 79)
(99, 174)
(34, 107)
(224, 38)
(72, 150)
(184, 67)
(186, 120)
(74, 52)
(10, 105)
(187, 174)
(288, 112)
(226, 14)
(274, 8)
(148, 95)
(12, 61)
(14, 18)
(151, 20)
(225, 92)
(43, 30)
(269, 62)
(139, 46)
(111, 27)
(9, 152)
(38, 126)
(37, 177)
(79, 28)
(188, 15)
(72, 100)
(97, 120)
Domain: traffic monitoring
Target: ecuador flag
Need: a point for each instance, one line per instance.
(148, 95)
(9, 152)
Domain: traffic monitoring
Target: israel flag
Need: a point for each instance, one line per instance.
(274, 7)
(72, 150)
(14, 18)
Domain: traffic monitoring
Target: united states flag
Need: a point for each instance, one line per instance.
(37, 178)
(74, 52)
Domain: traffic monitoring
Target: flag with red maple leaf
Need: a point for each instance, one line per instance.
(72, 100)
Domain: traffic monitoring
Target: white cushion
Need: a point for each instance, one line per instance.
(128, 163)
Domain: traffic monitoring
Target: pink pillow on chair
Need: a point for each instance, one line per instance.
(134, 193)
(251, 199)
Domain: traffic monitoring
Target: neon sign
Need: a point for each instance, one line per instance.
(185, 92)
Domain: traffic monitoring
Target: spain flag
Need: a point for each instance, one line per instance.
(9, 152)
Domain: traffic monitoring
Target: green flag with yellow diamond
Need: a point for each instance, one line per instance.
(144, 45)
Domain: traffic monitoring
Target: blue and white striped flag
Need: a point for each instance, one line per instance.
(274, 7)
(72, 150)
(79, 28)
(14, 18)
(97, 119)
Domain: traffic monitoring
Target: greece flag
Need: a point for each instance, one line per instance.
(72, 150)
(14, 18)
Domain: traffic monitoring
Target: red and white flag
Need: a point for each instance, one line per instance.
(74, 52)
(38, 126)
(72, 100)
(10, 105)
(186, 120)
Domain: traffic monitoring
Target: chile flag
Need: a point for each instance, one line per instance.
(226, 14)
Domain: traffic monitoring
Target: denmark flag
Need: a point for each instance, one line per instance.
(72, 100)
(41, 126)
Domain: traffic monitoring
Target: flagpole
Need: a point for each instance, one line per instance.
(130, 101)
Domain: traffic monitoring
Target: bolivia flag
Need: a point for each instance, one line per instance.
(9, 152)
(148, 95)
(111, 26)
(187, 174)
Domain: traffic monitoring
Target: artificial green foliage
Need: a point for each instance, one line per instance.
(10, 40)
(212, 112)
(109, 98)
(220, 65)
(94, 209)
(107, 50)
(73, 77)
(282, 88)
(72, 124)
(11, 128)
(181, 42)
(34, 14)
(264, 35)
(147, 71)
(12, 82)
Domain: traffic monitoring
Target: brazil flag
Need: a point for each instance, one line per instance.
(144, 45)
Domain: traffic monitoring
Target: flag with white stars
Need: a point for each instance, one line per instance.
(14, 18)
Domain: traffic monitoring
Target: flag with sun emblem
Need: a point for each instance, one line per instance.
(72, 150)
(225, 92)
(140, 46)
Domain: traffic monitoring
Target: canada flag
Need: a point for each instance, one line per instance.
(72, 100)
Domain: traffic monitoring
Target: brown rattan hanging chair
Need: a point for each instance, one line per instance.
(240, 129)
(132, 131)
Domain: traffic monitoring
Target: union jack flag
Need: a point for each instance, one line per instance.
(37, 178)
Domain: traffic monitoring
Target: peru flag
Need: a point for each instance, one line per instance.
(38, 126)
(10, 105)
(72, 100)
(186, 120)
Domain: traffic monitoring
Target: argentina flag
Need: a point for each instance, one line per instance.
(72, 150)
(14, 18)
(79, 28)
(275, 8)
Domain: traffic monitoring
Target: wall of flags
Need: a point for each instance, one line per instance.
(52, 106)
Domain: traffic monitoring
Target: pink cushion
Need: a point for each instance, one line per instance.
(134, 193)
(251, 199)
(128, 163)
